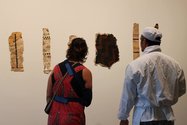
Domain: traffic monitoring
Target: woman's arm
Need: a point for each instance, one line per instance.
(87, 76)
(87, 92)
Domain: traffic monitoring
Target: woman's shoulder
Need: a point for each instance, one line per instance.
(87, 71)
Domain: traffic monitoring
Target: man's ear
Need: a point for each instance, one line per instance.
(143, 44)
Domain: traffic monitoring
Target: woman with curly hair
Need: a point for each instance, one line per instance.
(74, 92)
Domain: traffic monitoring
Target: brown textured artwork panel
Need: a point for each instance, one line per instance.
(107, 52)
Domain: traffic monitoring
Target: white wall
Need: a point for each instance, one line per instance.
(22, 95)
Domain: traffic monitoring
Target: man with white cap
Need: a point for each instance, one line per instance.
(153, 83)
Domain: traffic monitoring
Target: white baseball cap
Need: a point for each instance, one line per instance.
(152, 34)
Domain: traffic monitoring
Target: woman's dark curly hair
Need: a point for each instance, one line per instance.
(77, 50)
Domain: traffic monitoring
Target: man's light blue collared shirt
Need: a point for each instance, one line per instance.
(153, 82)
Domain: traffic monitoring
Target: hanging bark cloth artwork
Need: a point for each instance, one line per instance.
(71, 37)
(107, 52)
(46, 51)
(136, 50)
(156, 26)
(16, 51)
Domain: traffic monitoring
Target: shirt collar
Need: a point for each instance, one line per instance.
(154, 48)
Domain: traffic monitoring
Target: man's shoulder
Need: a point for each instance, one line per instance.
(149, 59)
(140, 60)
(168, 59)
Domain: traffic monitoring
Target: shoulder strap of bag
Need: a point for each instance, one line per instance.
(71, 71)
(61, 80)
(86, 97)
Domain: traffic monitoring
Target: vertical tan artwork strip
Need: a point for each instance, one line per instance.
(16, 51)
(46, 51)
(136, 51)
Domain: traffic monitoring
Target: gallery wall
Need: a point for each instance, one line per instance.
(22, 94)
